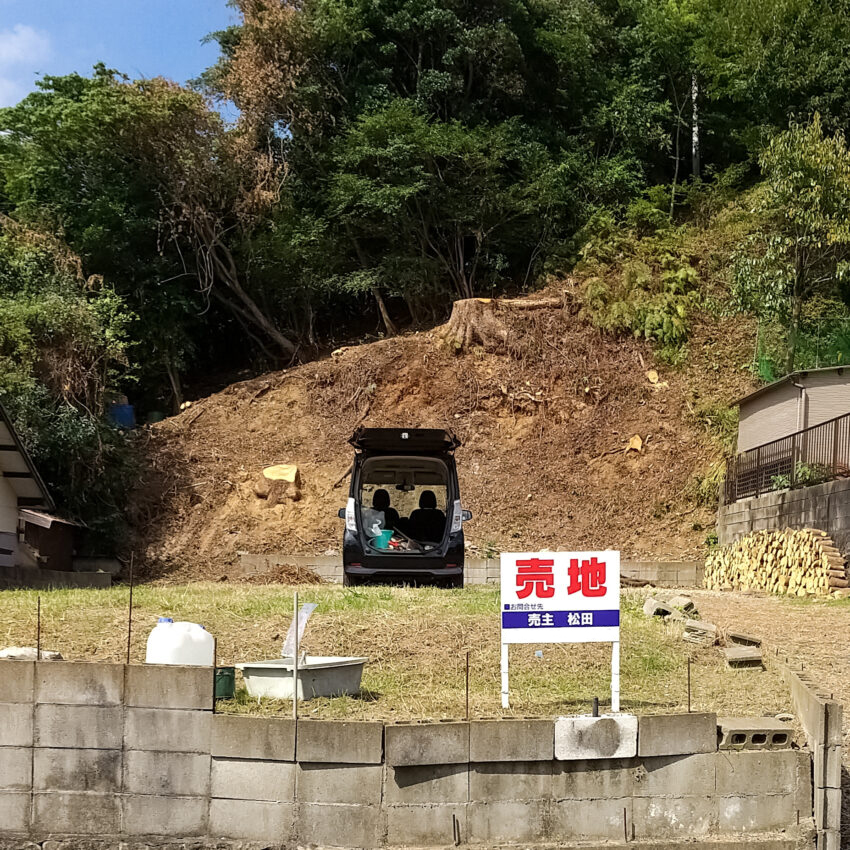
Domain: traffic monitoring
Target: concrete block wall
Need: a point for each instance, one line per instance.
(821, 718)
(823, 506)
(100, 754)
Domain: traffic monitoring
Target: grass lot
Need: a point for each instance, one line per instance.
(416, 640)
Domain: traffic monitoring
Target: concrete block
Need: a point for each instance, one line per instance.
(268, 738)
(677, 734)
(676, 776)
(508, 822)
(78, 813)
(757, 773)
(16, 681)
(166, 774)
(834, 724)
(427, 784)
(655, 608)
(15, 810)
(79, 683)
(427, 743)
(831, 807)
(79, 727)
(424, 826)
(76, 770)
(327, 783)
(743, 657)
(598, 820)
(171, 730)
(325, 741)
(252, 820)
(829, 840)
(338, 826)
(585, 737)
(511, 740)
(16, 726)
(672, 817)
(596, 779)
(167, 686)
(176, 817)
(827, 766)
(743, 639)
(517, 780)
(16, 769)
(753, 733)
(757, 814)
(247, 779)
(700, 632)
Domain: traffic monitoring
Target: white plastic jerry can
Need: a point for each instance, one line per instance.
(180, 643)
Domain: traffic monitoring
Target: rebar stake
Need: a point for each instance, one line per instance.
(38, 631)
(130, 610)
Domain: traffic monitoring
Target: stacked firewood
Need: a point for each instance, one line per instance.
(801, 562)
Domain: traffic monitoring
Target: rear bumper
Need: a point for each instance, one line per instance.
(405, 572)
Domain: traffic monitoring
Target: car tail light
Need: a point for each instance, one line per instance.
(457, 517)
(350, 517)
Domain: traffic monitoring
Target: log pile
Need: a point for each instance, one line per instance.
(802, 562)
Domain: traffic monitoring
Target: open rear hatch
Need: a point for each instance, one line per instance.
(404, 440)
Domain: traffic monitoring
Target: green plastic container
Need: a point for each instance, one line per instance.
(382, 541)
(225, 682)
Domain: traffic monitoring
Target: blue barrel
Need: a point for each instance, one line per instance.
(123, 415)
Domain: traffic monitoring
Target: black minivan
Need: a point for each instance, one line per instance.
(404, 519)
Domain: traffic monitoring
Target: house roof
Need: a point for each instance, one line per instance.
(791, 378)
(17, 468)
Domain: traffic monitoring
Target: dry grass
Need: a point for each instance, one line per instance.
(416, 640)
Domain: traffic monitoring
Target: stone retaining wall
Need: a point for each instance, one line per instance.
(136, 753)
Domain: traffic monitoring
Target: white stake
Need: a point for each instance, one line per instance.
(615, 676)
(295, 661)
(505, 701)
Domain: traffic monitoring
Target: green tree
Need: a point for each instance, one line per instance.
(803, 245)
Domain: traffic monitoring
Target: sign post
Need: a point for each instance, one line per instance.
(561, 597)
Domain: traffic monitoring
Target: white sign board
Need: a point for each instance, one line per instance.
(561, 597)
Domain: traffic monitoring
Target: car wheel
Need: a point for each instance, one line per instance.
(349, 580)
(455, 581)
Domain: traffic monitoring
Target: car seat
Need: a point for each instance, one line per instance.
(381, 502)
(428, 522)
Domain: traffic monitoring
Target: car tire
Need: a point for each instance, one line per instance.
(348, 580)
(455, 582)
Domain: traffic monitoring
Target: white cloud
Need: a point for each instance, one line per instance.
(23, 45)
(22, 48)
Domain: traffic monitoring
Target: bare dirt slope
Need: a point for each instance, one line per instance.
(545, 425)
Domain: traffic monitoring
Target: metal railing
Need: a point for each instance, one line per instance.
(811, 456)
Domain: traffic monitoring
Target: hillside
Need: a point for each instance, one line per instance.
(545, 426)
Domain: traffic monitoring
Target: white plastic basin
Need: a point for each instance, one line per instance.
(318, 676)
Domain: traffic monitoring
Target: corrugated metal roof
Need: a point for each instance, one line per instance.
(17, 468)
(790, 378)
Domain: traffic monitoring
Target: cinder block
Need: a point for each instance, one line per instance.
(16, 729)
(168, 774)
(757, 814)
(76, 813)
(170, 730)
(518, 780)
(76, 770)
(597, 779)
(328, 741)
(78, 727)
(15, 811)
(676, 776)
(267, 738)
(511, 740)
(672, 817)
(746, 774)
(16, 681)
(428, 826)
(597, 820)
(834, 724)
(16, 769)
(508, 822)
(753, 733)
(677, 734)
(585, 737)
(827, 766)
(427, 743)
(327, 783)
(176, 817)
(248, 779)
(338, 826)
(79, 683)
(167, 686)
(427, 784)
(252, 820)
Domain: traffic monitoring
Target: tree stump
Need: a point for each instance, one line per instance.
(278, 483)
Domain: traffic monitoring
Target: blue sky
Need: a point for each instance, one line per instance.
(141, 38)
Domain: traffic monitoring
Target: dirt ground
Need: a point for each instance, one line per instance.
(545, 427)
(813, 632)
